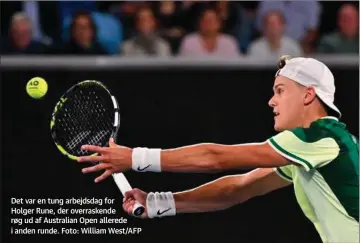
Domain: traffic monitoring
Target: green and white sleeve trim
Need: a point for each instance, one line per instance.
(306, 164)
(282, 174)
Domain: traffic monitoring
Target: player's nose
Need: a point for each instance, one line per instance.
(272, 102)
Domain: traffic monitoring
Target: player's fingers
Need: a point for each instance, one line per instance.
(129, 194)
(127, 203)
(130, 209)
(138, 195)
(93, 148)
(95, 168)
(104, 175)
(92, 158)
(125, 206)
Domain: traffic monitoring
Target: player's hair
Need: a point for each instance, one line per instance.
(282, 61)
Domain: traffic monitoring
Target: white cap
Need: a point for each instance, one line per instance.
(312, 73)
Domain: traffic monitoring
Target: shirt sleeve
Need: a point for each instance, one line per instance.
(284, 172)
(303, 148)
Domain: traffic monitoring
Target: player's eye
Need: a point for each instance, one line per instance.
(279, 91)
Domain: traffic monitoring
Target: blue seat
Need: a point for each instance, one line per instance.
(109, 31)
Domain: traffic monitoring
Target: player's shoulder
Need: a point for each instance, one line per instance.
(326, 127)
(327, 131)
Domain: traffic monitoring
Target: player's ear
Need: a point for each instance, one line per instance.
(310, 95)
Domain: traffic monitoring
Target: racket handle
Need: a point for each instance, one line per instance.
(124, 187)
(138, 209)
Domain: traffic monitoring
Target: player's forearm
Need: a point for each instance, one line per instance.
(214, 196)
(215, 157)
(207, 158)
(195, 158)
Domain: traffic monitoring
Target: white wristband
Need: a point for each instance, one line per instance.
(160, 204)
(145, 160)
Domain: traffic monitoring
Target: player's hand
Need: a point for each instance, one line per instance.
(131, 197)
(112, 159)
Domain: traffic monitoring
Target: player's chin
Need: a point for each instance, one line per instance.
(278, 127)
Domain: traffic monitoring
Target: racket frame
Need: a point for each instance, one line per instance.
(119, 178)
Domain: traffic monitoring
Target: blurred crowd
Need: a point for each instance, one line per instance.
(179, 28)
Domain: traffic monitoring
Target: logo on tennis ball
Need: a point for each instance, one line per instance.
(36, 87)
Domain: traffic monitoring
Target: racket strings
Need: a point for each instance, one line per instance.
(86, 118)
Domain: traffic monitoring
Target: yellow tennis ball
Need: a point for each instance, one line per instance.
(36, 87)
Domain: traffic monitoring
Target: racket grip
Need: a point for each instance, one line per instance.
(138, 209)
(124, 186)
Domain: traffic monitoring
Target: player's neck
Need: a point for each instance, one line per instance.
(310, 118)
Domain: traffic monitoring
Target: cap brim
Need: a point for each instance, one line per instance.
(334, 108)
(328, 101)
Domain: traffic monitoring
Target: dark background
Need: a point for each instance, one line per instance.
(159, 108)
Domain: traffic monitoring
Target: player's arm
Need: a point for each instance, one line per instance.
(287, 147)
(294, 146)
(228, 191)
(208, 158)
(196, 158)
(217, 195)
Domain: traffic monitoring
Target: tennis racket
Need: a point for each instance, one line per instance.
(88, 114)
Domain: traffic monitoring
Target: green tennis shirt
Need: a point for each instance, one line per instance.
(325, 175)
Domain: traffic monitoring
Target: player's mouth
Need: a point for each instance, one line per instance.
(276, 114)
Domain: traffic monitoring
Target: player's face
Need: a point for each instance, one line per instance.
(287, 104)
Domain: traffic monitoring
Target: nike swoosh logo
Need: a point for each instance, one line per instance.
(142, 169)
(159, 213)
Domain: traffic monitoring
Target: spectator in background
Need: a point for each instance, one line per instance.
(209, 41)
(190, 10)
(170, 18)
(228, 14)
(244, 30)
(273, 44)
(83, 40)
(346, 38)
(302, 18)
(20, 39)
(146, 42)
(124, 11)
(69, 8)
(44, 16)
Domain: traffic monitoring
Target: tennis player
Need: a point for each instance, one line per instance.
(313, 151)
